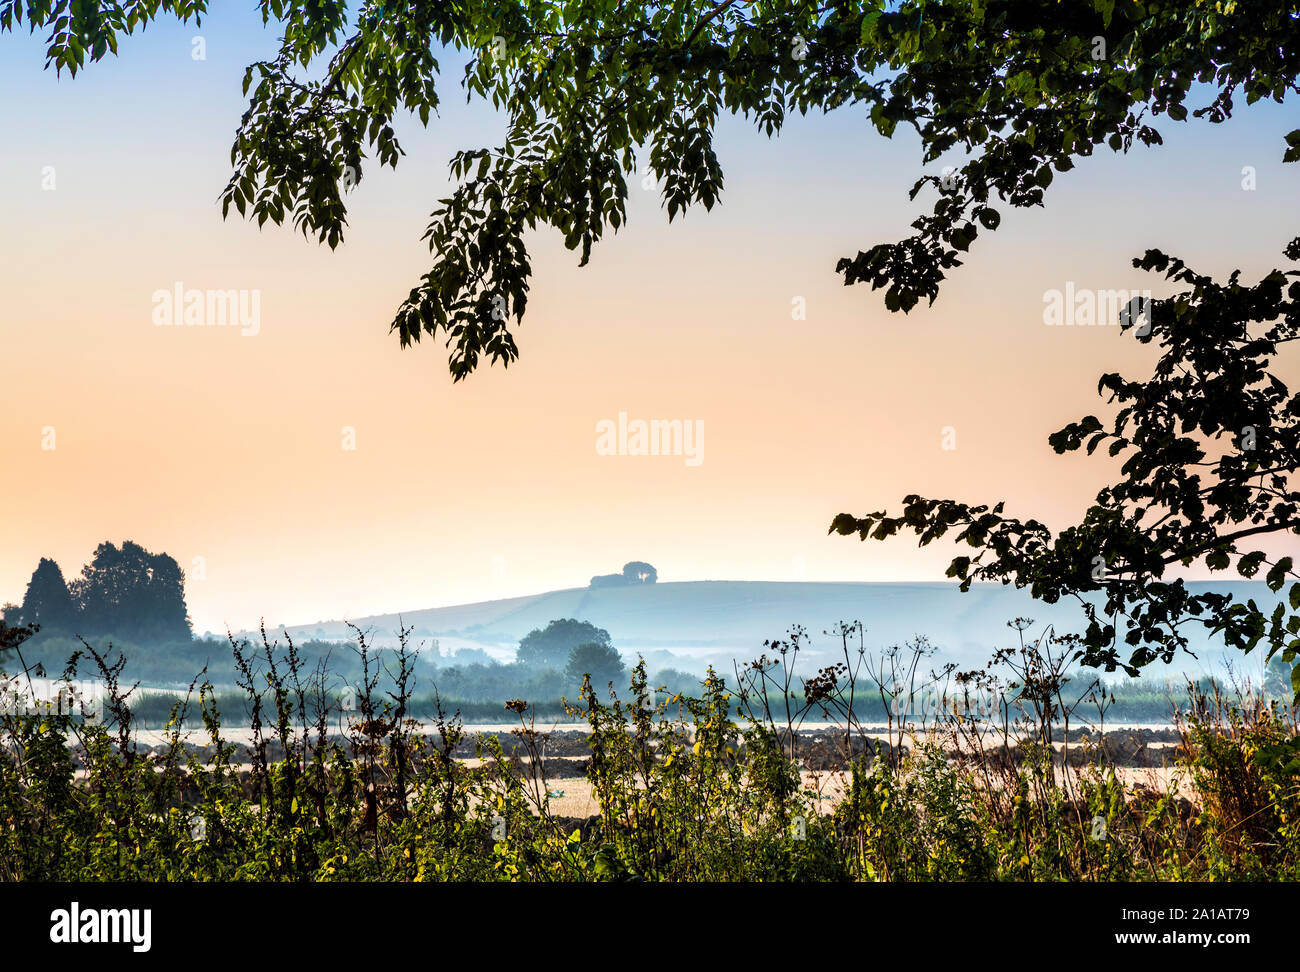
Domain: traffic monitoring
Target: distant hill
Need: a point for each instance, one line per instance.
(691, 624)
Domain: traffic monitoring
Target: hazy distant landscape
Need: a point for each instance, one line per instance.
(938, 356)
(690, 625)
(129, 604)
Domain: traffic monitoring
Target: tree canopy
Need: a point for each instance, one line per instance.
(124, 592)
(47, 601)
(551, 646)
(1210, 443)
(600, 661)
(130, 592)
(597, 91)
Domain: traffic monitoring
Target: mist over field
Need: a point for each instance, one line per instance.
(690, 625)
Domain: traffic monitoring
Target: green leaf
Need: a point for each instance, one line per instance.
(1248, 565)
(1277, 575)
(868, 32)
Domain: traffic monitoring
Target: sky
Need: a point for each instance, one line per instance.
(229, 450)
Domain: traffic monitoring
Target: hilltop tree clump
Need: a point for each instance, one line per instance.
(634, 572)
(639, 572)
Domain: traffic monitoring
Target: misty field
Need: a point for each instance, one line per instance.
(763, 776)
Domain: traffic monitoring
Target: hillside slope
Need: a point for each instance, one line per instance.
(698, 622)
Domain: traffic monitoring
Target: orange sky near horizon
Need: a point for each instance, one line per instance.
(208, 444)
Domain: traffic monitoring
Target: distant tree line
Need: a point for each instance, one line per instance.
(124, 592)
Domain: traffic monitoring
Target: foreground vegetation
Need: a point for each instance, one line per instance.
(686, 790)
